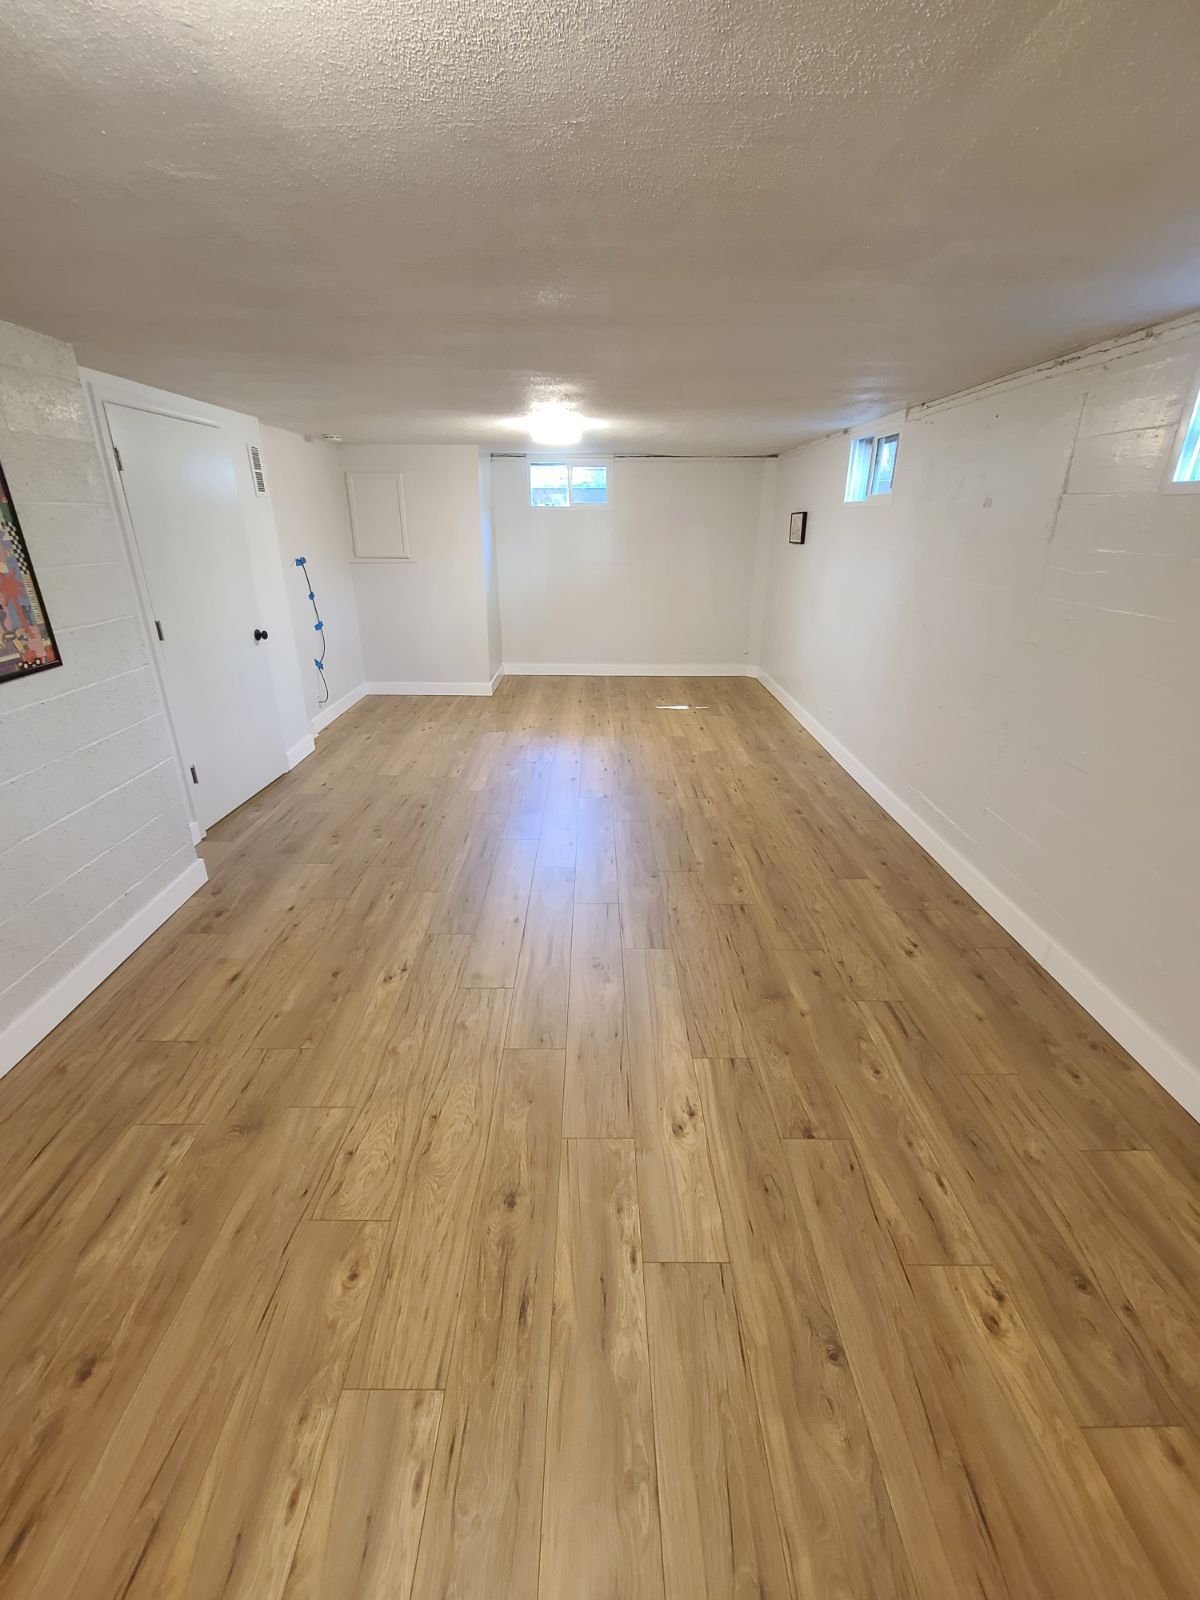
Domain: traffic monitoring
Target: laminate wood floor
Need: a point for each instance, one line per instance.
(578, 1147)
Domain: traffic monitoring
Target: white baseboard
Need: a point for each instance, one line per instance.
(1178, 1076)
(653, 669)
(298, 751)
(496, 677)
(428, 688)
(335, 708)
(32, 1026)
(196, 830)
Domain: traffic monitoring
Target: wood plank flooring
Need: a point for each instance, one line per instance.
(577, 1148)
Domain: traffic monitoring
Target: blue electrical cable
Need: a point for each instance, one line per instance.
(318, 627)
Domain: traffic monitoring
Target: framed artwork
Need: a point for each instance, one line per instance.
(27, 642)
(797, 527)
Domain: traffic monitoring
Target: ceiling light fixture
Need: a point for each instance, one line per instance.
(556, 425)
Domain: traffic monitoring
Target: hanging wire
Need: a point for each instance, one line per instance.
(318, 627)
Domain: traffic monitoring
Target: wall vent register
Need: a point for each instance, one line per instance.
(257, 476)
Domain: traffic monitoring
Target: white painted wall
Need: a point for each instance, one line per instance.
(424, 622)
(491, 566)
(660, 577)
(95, 849)
(311, 519)
(1010, 644)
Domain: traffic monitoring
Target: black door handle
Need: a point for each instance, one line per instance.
(259, 634)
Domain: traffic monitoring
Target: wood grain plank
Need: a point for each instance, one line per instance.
(1155, 1474)
(1056, 1523)
(129, 1516)
(713, 1023)
(461, 901)
(482, 1522)
(681, 1216)
(1033, 1236)
(596, 867)
(899, 1134)
(363, 1524)
(539, 1009)
(1141, 1226)
(241, 1532)
(719, 1529)
(838, 1527)
(365, 1179)
(800, 1025)
(944, 1531)
(407, 1330)
(644, 923)
(600, 1529)
(339, 1067)
(596, 1102)
(496, 946)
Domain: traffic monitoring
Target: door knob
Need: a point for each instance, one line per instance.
(259, 634)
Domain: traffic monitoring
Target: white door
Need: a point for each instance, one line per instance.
(181, 493)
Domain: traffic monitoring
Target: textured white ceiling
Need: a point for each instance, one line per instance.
(720, 224)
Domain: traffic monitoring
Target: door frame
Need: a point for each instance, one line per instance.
(102, 389)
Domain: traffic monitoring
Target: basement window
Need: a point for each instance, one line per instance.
(1187, 464)
(884, 463)
(858, 478)
(872, 466)
(568, 483)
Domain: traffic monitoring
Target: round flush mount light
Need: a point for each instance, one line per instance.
(556, 425)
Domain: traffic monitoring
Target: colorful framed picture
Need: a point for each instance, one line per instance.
(797, 527)
(27, 642)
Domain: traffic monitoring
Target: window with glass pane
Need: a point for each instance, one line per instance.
(859, 474)
(568, 483)
(549, 484)
(589, 486)
(884, 464)
(1187, 468)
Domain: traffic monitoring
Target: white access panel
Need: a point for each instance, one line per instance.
(378, 524)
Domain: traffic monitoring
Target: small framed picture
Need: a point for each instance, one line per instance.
(27, 642)
(797, 527)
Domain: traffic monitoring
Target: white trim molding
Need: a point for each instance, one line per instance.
(1178, 1076)
(496, 677)
(610, 669)
(428, 688)
(335, 708)
(298, 751)
(44, 1015)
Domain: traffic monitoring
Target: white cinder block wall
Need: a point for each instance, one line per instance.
(660, 577)
(304, 480)
(1010, 645)
(93, 829)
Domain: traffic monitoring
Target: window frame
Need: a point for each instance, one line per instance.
(858, 469)
(882, 439)
(570, 462)
(1189, 427)
(865, 447)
